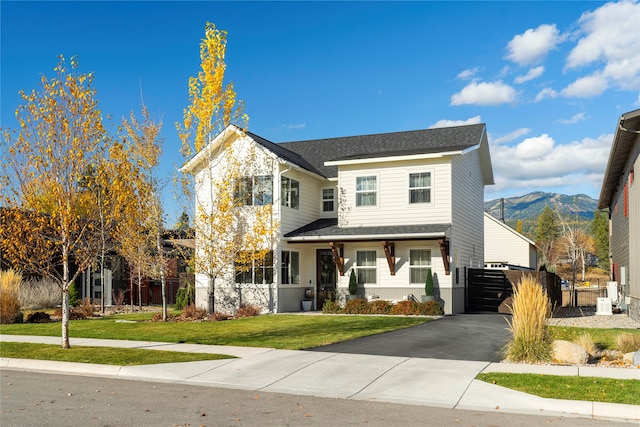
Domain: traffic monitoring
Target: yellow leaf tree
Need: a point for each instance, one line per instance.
(233, 219)
(49, 220)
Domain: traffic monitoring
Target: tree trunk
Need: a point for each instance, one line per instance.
(65, 298)
(211, 294)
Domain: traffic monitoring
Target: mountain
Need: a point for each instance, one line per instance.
(530, 206)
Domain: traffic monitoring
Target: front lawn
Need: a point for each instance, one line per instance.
(281, 331)
(100, 355)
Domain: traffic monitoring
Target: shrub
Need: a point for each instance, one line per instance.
(185, 297)
(627, 342)
(38, 317)
(429, 308)
(531, 341)
(428, 285)
(191, 312)
(331, 307)
(248, 310)
(356, 306)
(218, 316)
(404, 308)
(118, 299)
(9, 296)
(353, 283)
(73, 294)
(380, 307)
(586, 341)
(40, 294)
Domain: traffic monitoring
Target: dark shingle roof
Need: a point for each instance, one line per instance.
(318, 151)
(325, 229)
(311, 155)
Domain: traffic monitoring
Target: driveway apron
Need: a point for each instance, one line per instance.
(468, 336)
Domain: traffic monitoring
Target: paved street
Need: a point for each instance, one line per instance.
(470, 336)
(37, 399)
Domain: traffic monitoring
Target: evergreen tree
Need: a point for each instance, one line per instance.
(599, 228)
(547, 232)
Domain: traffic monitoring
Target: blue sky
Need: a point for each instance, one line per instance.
(549, 79)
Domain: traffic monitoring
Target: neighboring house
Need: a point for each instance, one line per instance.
(505, 248)
(620, 194)
(389, 206)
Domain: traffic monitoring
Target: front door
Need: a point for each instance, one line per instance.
(326, 277)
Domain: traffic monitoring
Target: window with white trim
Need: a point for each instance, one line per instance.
(328, 199)
(366, 190)
(420, 187)
(419, 264)
(290, 192)
(251, 270)
(256, 191)
(366, 267)
(290, 267)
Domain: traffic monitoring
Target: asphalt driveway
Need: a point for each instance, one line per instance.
(469, 336)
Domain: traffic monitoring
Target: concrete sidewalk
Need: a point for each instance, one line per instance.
(406, 380)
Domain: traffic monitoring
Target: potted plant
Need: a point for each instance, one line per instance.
(353, 284)
(428, 288)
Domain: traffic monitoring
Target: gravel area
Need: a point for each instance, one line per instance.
(586, 317)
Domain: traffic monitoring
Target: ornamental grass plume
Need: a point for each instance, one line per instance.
(531, 341)
(9, 295)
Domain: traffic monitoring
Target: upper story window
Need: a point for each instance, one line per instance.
(419, 263)
(290, 193)
(290, 268)
(366, 266)
(256, 191)
(251, 270)
(328, 199)
(420, 187)
(366, 191)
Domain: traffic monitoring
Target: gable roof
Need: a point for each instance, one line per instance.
(508, 229)
(625, 137)
(438, 140)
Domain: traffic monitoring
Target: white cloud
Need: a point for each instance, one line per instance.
(586, 87)
(292, 126)
(610, 36)
(546, 93)
(532, 46)
(448, 123)
(511, 136)
(468, 73)
(533, 73)
(492, 93)
(573, 120)
(540, 162)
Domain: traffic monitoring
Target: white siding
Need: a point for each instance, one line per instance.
(506, 245)
(467, 226)
(310, 200)
(393, 205)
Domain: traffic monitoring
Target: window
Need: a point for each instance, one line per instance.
(328, 199)
(251, 270)
(419, 264)
(420, 187)
(366, 267)
(290, 192)
(290, 268)
(366, 191)
(257, 191)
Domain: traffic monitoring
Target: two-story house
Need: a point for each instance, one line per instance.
(388, 206)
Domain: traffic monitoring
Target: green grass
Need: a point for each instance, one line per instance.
(101, 355)
(569, 388)
(282, 331)
(603, 338)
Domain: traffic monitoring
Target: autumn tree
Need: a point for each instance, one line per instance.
(141, 230)
(49, 219)
(547, 233)
(228, 230)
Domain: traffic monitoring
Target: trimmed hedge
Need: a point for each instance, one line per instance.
(402, 308)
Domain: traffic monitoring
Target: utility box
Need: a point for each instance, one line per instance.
(604, 307)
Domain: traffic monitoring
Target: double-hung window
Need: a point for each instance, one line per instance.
(420, 187)
(366, 191)
(419, 264)
(257, 190)
(328, 199)
(251, 270)
(290, 192)
(290, 268)
(366, 267)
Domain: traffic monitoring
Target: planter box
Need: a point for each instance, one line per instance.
(306, 305)
(427, 298)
